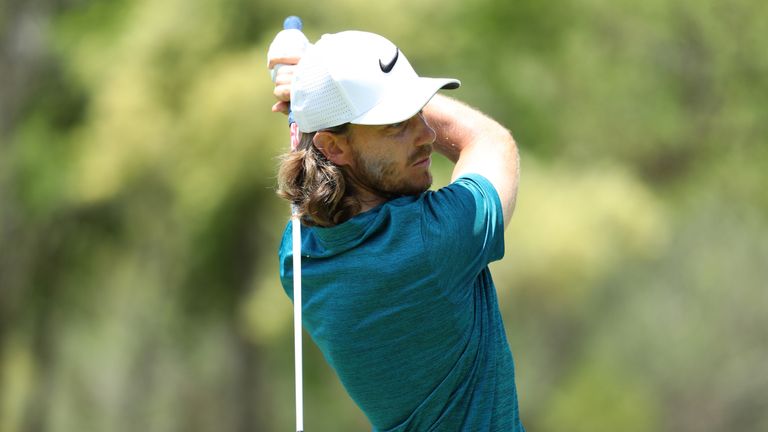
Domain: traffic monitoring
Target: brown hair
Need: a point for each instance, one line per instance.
(316, 185)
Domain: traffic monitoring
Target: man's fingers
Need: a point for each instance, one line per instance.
(284, 75)
(282, 92)
(282, 107)
(283, 80)
(282, 61)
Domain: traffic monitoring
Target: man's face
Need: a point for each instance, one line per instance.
(392, 160)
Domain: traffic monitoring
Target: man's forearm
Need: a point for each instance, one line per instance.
(458, 125)
(451, 136)
(475, 143)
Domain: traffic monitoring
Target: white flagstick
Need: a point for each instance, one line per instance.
(293, 41)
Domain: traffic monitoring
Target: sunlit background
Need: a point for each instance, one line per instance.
(139, 226)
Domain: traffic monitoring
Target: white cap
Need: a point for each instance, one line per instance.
(361, 78)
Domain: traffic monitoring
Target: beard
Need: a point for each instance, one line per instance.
(381, 176)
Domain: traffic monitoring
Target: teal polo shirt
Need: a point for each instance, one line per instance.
(401, 303)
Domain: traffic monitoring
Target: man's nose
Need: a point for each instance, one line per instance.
(427, 135)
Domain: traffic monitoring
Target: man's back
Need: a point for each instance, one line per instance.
(401, 303)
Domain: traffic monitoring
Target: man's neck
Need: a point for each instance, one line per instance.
(367, 199)
(367, 196)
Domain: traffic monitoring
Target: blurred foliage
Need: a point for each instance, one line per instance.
(138, 223)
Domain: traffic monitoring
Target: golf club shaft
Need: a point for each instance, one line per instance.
(294, 22)
(297, 345)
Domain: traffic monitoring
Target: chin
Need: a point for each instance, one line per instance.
(421, 187)
(408, 188)
(427, 181)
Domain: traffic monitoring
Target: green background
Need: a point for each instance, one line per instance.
(139, 225)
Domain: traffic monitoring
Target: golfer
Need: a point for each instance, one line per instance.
(396, 288)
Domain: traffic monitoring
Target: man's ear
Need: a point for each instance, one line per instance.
(335, 147)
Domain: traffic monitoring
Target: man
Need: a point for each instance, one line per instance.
(397, 292)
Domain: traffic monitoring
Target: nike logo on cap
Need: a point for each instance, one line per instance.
(386, 68)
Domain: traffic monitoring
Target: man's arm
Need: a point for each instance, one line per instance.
(476, 144)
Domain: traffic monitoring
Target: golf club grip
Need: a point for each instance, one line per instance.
(292, 23)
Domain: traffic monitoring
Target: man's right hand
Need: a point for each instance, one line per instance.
(284, 54)
(283, 75)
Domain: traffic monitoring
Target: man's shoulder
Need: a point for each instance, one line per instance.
(475, 183)
(469, 190)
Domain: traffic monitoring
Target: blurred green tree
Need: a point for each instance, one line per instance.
(138, 224)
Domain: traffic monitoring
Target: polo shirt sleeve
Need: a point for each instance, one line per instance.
(463, 227)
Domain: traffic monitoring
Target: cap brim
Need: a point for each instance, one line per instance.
(405, 101)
